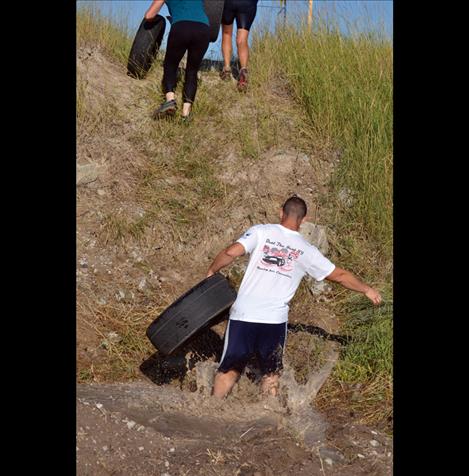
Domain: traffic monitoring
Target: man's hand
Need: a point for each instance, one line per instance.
(225, 257)
(349, 281)
(374, 296)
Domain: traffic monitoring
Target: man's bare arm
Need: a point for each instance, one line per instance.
(226, 257)
(350, 281)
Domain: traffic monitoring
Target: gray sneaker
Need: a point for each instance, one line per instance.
(225, 74)
(168, 108)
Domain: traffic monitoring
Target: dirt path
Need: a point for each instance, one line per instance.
(138, 428)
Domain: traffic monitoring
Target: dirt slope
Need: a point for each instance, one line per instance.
(155, 203)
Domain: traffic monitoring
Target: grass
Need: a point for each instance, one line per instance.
(344, 84)
(322, 91)
(94, 29)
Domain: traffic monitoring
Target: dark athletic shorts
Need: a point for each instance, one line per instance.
(243, 10)
(246, 339)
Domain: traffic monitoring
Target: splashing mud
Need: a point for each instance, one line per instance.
(141, 426)
(293, 409)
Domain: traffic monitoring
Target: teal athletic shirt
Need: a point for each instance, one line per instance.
(187, 10)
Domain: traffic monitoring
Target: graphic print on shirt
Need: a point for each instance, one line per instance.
(277, 256)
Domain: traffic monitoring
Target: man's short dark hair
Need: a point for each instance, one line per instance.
(295, 207)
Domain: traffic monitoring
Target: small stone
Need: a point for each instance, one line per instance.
(99, 406)
(141, 448)
(374, 443)
(86, 174)
(328, 461)
(389, 454)
(142, 284)
(360, 455)
(172, 450)
(130, 424)
(166, 464)
(104, 448)
(374, 432)
(114, 337)
(101, 192)
(102, 301)
(83, 263)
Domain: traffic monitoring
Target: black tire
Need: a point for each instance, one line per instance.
(145, 47)
(214, 11)
(200, 307)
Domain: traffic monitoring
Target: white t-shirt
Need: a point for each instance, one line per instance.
(279, 259)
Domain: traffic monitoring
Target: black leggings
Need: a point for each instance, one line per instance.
(194, 38)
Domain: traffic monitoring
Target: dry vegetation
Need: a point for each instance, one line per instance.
(163, 197)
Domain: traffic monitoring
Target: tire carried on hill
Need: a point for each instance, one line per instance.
(202, 306)
(145, 47)
(214, 10)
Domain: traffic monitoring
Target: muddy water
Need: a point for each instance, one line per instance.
(293, 409)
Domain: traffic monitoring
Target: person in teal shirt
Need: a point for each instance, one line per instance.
(189, 32)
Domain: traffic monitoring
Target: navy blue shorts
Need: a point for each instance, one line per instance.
(246, 339)
(243, 10)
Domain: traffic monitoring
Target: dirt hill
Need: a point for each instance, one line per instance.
(155, 202)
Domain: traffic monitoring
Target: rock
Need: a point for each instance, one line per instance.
(318, 287)
(142, 284)
(101, 192)
(374, 443)
(328, 461)
(83, 263)
(130, 424)
(125, 296)
(316, 235)
(112, 338)
(345, 197)
(86, 174)
(331, 454)
(360, 455)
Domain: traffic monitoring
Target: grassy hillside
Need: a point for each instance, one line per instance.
(324, 94)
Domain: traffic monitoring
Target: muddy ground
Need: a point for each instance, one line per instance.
(142, 429)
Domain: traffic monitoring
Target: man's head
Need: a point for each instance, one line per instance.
(293, 212)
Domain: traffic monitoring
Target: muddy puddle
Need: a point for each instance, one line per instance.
(178, 402)
(169, 424)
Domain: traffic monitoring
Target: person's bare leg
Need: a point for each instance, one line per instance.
(243, 48)
(226, 46)
(170, 96)
(186, 109)
(270, 384)
(224, 382)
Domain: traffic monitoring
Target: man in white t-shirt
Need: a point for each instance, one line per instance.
(280, 257)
